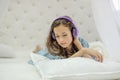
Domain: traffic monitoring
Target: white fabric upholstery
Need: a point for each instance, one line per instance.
(6, 51)
(27, 22)
(14, 69)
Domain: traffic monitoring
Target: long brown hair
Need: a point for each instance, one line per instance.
(52, 45)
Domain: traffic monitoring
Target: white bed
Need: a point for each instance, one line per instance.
(17, 69)
(23, 23)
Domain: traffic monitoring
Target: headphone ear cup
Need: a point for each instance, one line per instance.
(53, 36)
(75, 32)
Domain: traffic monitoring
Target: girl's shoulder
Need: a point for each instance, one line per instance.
(83, 42)
(44, 52)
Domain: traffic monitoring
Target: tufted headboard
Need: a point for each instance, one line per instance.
(26, 23)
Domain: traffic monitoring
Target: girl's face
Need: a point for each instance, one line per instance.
(63, 36)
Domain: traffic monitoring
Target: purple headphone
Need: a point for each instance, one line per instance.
(75, 30)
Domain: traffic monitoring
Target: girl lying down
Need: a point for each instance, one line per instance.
(63, 42)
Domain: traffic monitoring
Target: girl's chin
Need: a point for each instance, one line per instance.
(63, 46)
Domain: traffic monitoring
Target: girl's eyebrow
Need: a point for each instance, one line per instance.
(62, 33)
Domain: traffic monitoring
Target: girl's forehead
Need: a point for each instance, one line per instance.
(61, 29)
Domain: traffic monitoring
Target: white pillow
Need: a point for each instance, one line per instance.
(77, 69)
(97, 45)
(37, 58)
(6, 51)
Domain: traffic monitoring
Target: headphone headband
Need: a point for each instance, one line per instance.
(66, 17)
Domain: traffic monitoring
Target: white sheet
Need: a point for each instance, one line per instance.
(17, 69)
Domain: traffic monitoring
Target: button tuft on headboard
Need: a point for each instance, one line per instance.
(74, 0)
(89, 15)
(18, 2)
(57, 0)
(65, 8)
(88, 32)
(41, 13)
(81, 23)
(9, 10)
(15, 37)
(7, 26)
(25, 11)
(49, 7)
(23, 28)
(81, 7)
(31, 37)
(16, 19)
(33, 4)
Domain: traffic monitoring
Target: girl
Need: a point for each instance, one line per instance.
(63, 42)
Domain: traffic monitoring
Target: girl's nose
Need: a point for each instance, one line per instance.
(61, 39)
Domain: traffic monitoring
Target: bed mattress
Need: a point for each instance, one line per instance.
(17, 69)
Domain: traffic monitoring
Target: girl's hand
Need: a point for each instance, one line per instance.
(86, 52)
(92, 54)
(37, 48)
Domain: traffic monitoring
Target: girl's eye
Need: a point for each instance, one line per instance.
(57, 36)
(64, 35)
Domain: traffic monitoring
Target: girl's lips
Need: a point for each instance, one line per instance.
(62, 43)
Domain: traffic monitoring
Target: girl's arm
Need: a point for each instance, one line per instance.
(77, 43)
(86, 52)
(79, 46)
